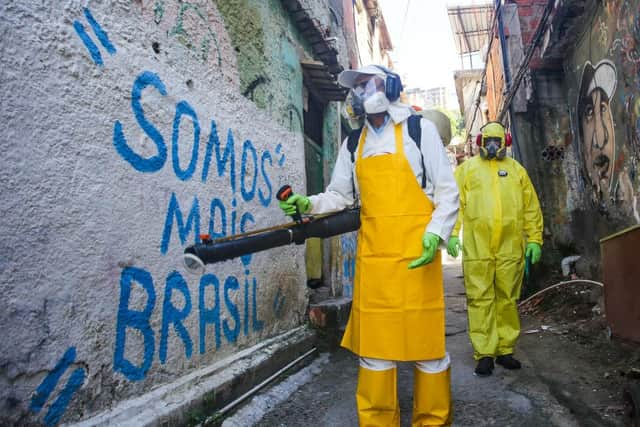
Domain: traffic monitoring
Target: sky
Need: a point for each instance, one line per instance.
(424, 51)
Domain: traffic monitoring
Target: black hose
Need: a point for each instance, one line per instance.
(332, 225)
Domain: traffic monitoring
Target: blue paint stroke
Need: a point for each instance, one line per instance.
(246, 217)
(257, 324)
(193, 221)
(184, 109)
(139, 163)
(278, 303)
(246, 305)
(88, 43)
(209, 315)
(221, 160)
(97, 29)
(171, 315)
(58, 408)
(265, 200)
(231, 284)
(134, 319)
(217, 204)
(282, 157)
(247, 147)
(51, 380)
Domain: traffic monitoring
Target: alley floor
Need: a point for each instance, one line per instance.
(564, 382)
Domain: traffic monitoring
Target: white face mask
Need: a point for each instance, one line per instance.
(373, 96)
(376, 103)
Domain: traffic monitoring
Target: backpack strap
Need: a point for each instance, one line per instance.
(352, 144)
(415, 132)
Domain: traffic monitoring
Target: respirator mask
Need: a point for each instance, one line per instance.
(372, 94)
(493, 148)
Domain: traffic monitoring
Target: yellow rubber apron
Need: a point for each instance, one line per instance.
(397, 313)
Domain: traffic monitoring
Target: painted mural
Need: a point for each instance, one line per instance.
(607, 109)
(596, 126)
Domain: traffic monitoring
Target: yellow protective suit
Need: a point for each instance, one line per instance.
(499, 212)
(397, 313)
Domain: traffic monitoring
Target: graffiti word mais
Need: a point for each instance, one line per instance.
(226, 319)
(44, 390)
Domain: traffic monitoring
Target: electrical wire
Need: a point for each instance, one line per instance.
(404, 24)
(522, 70)
(593, 282)
(484, 71)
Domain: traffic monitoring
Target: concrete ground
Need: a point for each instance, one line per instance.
(554, 388)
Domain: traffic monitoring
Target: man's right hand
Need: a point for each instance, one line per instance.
(454, 246)
(302, 203)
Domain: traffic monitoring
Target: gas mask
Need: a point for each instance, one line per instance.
(493, 148)
(353, 109)
(372, 93)
(493, 141)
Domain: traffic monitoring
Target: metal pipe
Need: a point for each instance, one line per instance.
(592, 282)
(255, 389)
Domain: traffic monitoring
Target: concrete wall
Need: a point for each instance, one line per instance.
(130, 128)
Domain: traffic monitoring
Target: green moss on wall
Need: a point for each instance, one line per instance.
(244, 25)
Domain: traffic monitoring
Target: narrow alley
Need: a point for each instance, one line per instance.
(562, 383)
(258, 212)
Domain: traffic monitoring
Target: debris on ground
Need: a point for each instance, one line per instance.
(565, 333)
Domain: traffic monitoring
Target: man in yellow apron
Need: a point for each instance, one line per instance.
(398, 302)
(499, 211)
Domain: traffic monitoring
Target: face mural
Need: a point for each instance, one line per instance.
(595, 124)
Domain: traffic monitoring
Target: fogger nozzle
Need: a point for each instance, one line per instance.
(196, 256)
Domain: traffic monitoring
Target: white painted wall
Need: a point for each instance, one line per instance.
(85, 226)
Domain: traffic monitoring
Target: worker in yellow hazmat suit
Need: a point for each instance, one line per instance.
(502, 224)
(409, 205)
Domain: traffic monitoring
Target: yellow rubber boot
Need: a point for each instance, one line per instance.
(432, 399)
(377, 398)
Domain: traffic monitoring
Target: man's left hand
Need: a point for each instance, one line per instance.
(534, 252)
(430, 243)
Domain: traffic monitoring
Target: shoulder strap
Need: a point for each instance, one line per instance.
(415, 132)
(352, 142)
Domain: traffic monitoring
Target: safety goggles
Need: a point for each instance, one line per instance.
(368, 87)
(492, 141)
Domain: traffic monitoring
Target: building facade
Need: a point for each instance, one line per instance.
(574, 115)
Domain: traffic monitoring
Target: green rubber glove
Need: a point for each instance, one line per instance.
(534, 251)
(430, 243)
(296, 200)
(454, 246)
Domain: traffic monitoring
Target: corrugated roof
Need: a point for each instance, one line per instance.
(321, 82)
(470, 26)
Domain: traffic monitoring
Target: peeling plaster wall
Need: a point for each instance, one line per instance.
(126, 135)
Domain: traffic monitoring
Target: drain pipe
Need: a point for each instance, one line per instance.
(260, 386)
(507, 79)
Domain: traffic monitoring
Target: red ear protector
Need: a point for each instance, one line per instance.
(507, 136)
